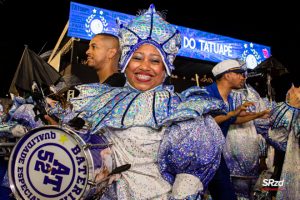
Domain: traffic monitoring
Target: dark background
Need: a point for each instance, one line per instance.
(39, 24)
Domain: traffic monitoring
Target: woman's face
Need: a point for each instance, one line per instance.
(145, 69)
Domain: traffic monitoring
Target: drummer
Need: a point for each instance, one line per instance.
(173, 145)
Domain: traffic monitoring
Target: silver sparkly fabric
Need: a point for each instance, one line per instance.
(22, 113)
(286, 116)
(192, 143)
(285, 121)
(191, 147)
(290, 169)
(244, 145)
(104, 106)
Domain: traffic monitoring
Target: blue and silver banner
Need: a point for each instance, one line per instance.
(86, 21)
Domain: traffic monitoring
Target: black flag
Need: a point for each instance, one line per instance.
(32, 68)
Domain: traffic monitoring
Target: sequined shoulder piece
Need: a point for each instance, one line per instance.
(103, 106)
(286, 116)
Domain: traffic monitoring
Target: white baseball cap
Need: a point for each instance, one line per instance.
(229, 66)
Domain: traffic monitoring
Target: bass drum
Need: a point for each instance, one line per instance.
(50, 163)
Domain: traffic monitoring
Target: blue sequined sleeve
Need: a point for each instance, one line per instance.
(194, 147)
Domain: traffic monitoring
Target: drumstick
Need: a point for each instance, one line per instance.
(120, 169)
(117, 170)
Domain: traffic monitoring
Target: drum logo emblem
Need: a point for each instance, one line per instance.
(50, 165)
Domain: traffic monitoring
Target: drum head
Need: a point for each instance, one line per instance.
(50, 163)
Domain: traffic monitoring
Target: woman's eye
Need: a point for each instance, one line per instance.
(136, 58)
(155, 61)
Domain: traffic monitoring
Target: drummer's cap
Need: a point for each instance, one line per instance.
(227, 66)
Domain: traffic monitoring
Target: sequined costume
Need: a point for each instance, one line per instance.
(244, 145)
(170, 140)
(158, 132)
(283, 134)
(285, 128)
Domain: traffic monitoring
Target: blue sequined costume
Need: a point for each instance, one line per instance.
(159, 132)
(170, 140)
(285, 129)
(244, 145)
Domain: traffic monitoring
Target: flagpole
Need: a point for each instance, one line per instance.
(59, 41)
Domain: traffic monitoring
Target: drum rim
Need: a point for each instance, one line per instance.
(71, 133)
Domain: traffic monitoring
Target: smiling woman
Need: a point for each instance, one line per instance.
(145, 69)
(171, 142)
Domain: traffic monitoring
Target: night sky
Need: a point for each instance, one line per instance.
(39, 24)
